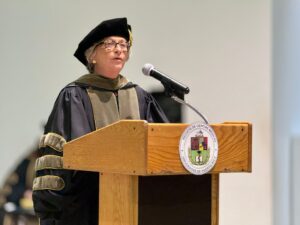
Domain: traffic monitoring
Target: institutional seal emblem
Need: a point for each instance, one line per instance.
(198, 148)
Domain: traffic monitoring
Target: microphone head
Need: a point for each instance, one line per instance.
(147, 69)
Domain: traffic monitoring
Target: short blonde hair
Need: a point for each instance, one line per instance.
(88, 54)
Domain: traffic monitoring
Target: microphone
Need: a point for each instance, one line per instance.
(169, 83)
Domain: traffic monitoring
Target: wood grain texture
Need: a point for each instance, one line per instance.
(215, 199)
(118, 199)
(118, 148)
(234, 140)
(126, 149)
(139, 148)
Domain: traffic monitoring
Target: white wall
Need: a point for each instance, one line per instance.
(286, 107)
(220, 49)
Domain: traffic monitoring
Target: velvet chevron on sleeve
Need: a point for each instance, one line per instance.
(76, 199)
(63, 197)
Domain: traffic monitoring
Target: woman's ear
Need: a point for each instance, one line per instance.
(92, 57)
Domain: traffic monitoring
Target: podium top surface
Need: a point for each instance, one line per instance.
(136, 147)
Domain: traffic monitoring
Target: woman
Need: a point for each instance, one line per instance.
(103, 96)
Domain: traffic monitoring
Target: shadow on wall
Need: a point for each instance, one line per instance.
(172, 109)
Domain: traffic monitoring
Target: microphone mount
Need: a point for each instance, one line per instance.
(171, 91)
(173, 88)
(179, 100)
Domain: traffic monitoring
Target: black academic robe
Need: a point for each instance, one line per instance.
(72, 117)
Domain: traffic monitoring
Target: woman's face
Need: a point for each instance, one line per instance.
(110, 56)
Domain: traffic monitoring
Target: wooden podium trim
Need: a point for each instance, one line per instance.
(127, 149)
(126, 154)
(141, 148)
(215, 199)
(118, 199)
(234, 141)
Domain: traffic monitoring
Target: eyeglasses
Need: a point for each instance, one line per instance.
(110, 45)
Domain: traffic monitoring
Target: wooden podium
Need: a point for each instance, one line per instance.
(142, 180)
